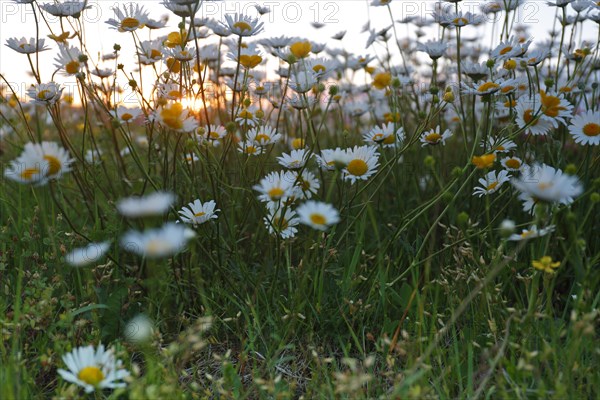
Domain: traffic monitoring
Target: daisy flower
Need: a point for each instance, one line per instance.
(362, 163)
(545, 183)
(554, 107)
(303, 81)
(175, 117)
(531, 233)
(247, 116)
(434, 48)
(89, 254)
(297, 159)
(25, 46)
(126, 115)
(282, 223)
(263, 135)
(69, 59)
(150, 51)
(491, 183)
(585, 128)
(45, 93)
(93, 369)
(93, 156)
(499, 145)
(170, 91)
(318, 215)
(307, 182)
(528, 119)
(250, 148)
(482, 89)
(197, 213)
(276, 186)
(129, 19)
(433, 137)
(331, 159)
(384, 135)
(512, 163)
(216, 132)
(182, 8)
(243, 25)
(57, 158)
(511, 48)
(70, 8)
(321, 67)
(170, 239)
(157, 203)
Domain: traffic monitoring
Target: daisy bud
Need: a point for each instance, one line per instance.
(120, 66)
(117, 47)
(507, 228)
(133, 84)
(447, 197)
(396, 83)
(259, 114)
(333, 90)
(435, 99)
(510, 65)
(449, 96)
(595, 85)
(434, 90)
(462, 220)
(457, 172)
(571, 216)
(595, 197)
(429, 161)
(490, 63)
(230, 127)
(549, 82)
(247, 102)
(571, 169)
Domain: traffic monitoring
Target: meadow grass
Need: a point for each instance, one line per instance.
(421, 290)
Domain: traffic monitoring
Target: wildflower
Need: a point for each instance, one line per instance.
(303, 81)
(93, 156)
(247, 116)
(362, 163)
(70, 8)
(545, 264)
(242, 25)
(93, 369)
(69, 59)
(511, 48)
(175, 117)
(545, 183)
(321, 67)
(300, 49)
(264, 135)
(182, 8)
(528, 119)
(197, 213)
(89, 254)
(491, 183)
(250, 147)
(482, 89)
(307, 182)
(126, 115)
(433, 137)
(276, 187)
(282, 223)
(434, 48)
(45, 93)
(499, 145)
(484, 161)
(150, 51)
(25, 46)
(297, 159)
(385, 135)
(382, 80)
(331, 159)
(170, 239)
(318, 215)
(130, 19)
(157, 203)
(512, 163)
(585, 128)
(554, 107)
(216, 132)
(531, 233)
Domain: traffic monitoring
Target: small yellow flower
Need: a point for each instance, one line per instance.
(545, 264)
(484, 161)
(301, 49)
(382, 80)
(250, 61)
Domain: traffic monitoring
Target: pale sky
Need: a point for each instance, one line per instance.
(292, 18)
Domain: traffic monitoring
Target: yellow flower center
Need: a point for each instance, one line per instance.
(382, 80)
(213, 135)
(460, 21)
(487, 86)
(53, 165)
(526, 234)
(550, 105)
(126, 116)
(506, 50)
(592, 129)
(492, 186)
(318, 219)
(280, 223)
(242, 26)
(378, 137)
(250, 150)
(174, 93)
(91, 375)
(130, 23)
(172, 116)
(544, 185)
(199, 214)
(261, 138)
(507, 89)
(390, 139)
(275, 193)
(298, 143)
(301, 49)
(484, 161)
(510, 103)
(156, 247)
(245, 114)
(528, 117)
(155, 53)
(433, 138)
(43, 94)
(72, 67)
(513, 163)
(357, 167)
(28, 173)
(319, 68)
